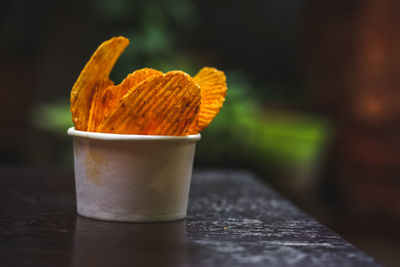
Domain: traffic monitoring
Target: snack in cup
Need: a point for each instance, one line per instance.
(134, 142)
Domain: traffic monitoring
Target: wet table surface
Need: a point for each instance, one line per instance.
(233, 220)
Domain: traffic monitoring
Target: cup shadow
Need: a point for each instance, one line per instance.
(100, 243)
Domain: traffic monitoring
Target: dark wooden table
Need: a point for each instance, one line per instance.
(233, 220)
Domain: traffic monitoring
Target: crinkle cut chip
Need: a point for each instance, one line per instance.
(93, 78)
(165, 104)
(107, 100)
(213, 91)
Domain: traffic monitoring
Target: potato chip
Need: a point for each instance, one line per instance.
(94, 108)
(106, 100)
(164, 104)
(213, 87)
(92, 79)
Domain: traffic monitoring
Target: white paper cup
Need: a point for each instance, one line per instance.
(132, 178)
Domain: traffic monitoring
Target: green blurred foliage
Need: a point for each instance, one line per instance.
(52, 117)
(243, 134)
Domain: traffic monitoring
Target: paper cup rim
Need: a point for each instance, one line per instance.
(131, 137)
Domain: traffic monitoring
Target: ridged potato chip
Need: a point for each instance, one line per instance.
(98, 91)
(106, 100)
(92, 80)
(213, 87)
(146, 101)
(165, 104)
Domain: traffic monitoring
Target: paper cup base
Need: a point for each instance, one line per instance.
(126, 217)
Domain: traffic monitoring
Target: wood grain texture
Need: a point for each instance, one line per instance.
(233, 220)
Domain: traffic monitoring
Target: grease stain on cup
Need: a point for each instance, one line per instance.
(93, 163)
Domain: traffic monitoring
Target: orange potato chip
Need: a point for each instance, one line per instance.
(164, 104)
(93, 78)
(98, 91)
(106, 100)
(146, 101)
(213, 87)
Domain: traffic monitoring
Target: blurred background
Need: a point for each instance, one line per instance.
(312, 106)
